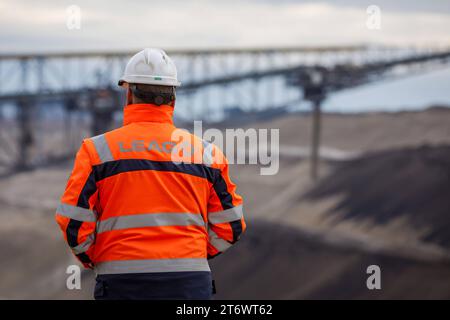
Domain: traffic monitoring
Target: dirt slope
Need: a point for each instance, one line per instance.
(305, 240)
(367, 131)
(384, 186)
(279, 262)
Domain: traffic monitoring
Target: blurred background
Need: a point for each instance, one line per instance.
(359, 91)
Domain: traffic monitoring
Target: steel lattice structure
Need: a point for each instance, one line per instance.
(82, 89)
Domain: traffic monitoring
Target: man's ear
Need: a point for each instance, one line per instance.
(129, 96)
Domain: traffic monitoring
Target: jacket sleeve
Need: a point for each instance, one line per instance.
(225, 210)
(76, 213)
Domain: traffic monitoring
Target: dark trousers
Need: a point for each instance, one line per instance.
(153, 286)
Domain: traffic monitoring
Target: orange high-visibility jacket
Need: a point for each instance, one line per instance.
(130, 208)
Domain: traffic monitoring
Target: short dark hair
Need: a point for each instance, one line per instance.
(154, 94)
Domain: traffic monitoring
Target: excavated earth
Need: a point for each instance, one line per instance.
(387, 205)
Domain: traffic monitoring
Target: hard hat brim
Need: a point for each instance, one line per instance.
(151, 80)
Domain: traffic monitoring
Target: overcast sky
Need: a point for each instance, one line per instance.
(30, 26)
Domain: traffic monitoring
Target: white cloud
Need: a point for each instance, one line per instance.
(40, 26)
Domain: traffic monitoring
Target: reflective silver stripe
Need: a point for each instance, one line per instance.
(101, 145)
(83, 247)
(218, 243)
(228, 215)
(150, 220)
(152, 265)
(76, 213)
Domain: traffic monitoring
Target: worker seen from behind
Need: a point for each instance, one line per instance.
(145, 223)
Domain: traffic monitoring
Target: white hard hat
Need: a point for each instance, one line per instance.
(151, 66)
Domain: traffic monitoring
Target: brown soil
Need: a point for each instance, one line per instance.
(389, 207)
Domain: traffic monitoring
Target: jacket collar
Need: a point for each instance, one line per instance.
(147, 113)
